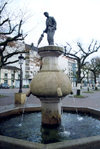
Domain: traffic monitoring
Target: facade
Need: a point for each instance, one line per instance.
(10, 75)
(68, 65)
(29, 68)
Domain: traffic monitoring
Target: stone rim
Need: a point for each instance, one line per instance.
(71, 144)
(50, 51)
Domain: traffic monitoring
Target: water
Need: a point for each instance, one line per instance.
(22, 117)
(31, 129)
(75, 104)
(79, 118)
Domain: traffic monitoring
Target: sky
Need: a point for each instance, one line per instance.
(77, 20)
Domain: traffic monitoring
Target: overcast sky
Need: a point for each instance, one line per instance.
(77, 20)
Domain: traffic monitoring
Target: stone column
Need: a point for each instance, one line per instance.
(51, 111)
(50, 85)
(51, 106)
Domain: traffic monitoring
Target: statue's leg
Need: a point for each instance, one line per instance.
(50, 37)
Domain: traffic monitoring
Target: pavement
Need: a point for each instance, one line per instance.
(91, 100)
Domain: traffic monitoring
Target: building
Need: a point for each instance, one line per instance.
(29, 68)
(68, 65)
(10, 75)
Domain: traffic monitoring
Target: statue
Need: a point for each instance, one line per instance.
(50, 29)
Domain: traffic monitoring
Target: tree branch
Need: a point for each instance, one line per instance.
(81, 49)
(11, 62)
(3, 7)
(11, 54)
(3, 23)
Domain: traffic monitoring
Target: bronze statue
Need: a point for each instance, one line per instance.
(50, 29)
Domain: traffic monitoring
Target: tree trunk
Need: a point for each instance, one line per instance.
(88, 89)
(95, 81)
(78, 79)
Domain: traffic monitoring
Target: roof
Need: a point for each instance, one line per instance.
(70, 58)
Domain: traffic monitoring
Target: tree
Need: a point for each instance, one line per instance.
(86, 73)
(94, 67)
(80, 56)
(10, 33)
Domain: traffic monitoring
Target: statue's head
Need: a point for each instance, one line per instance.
(46, 14)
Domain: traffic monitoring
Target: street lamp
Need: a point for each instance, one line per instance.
(21, 60)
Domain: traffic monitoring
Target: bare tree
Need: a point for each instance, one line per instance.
(94, 67)
(80, 56)
(9, 35)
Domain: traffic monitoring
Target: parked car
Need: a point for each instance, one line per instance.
(4, 85)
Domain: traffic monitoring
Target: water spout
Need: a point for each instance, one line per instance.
(59, 92)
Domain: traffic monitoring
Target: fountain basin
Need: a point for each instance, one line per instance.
(69, 144)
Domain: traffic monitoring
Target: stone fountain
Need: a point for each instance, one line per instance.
(50, 85)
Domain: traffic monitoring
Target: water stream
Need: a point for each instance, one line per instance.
(64, 132)
(80, 118)
(22, 116)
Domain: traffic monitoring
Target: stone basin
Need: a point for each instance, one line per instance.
(87, 143)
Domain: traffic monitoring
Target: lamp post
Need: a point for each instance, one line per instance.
(21, 60)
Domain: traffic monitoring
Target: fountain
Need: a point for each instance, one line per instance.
(50, 85)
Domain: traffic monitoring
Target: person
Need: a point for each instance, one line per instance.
(50, 28)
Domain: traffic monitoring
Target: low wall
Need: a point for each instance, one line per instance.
(84, 143)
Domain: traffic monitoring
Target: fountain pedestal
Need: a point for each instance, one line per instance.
(50, 85)
(51, 111)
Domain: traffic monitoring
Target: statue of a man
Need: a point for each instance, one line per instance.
(50, 28)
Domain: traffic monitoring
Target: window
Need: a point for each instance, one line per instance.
(6, 81)
(18, 76)
(6, 75)
(12, 76)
